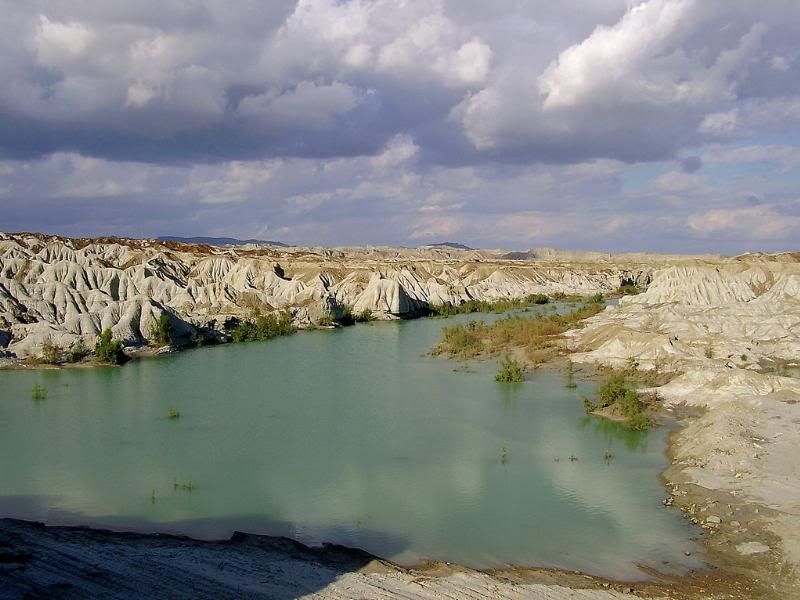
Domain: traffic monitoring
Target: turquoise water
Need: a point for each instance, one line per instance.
(352, 436)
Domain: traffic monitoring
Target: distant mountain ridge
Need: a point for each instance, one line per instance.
(219, 241)
(454, 245)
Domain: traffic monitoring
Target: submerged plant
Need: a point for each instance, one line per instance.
(588, 405)
(503, 455)
(38, 392)
(571, 375)
(173, 414)
(184, 486)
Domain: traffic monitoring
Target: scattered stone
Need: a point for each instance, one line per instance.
(713, 520)
(750, 548)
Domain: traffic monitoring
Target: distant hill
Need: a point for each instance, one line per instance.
(218, 241)
(453, 245)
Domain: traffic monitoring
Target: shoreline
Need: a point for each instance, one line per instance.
(24, 543)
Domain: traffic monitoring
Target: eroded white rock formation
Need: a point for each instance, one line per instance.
(732, 331)
(62, 290)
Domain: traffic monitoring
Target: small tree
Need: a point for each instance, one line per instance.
(108, 349)
(164, 330)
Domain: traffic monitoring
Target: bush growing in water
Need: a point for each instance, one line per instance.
(509, 371)
(464, 341)
(109, 350)
(616, 393)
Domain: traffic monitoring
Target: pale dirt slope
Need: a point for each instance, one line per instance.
(730, 330)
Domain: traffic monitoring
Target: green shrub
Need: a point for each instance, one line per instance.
(38, 392)
(709, 353)
(464, 341)
(109, 350)
(616, 393)
(627, 289)
(639, 422)
(509, 371)
(161, 332)
(365, 316)
(596, 298)
(537, 299)
(484, 306)
(263, 327)
(347, 317)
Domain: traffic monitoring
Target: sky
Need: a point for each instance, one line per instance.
(614, 125)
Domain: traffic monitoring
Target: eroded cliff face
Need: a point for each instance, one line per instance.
(63, 290)
(736, 314)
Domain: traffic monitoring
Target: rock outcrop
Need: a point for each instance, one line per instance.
(61, 290)
(733, 315)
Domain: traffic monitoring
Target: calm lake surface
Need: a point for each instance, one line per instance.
(351, 436)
